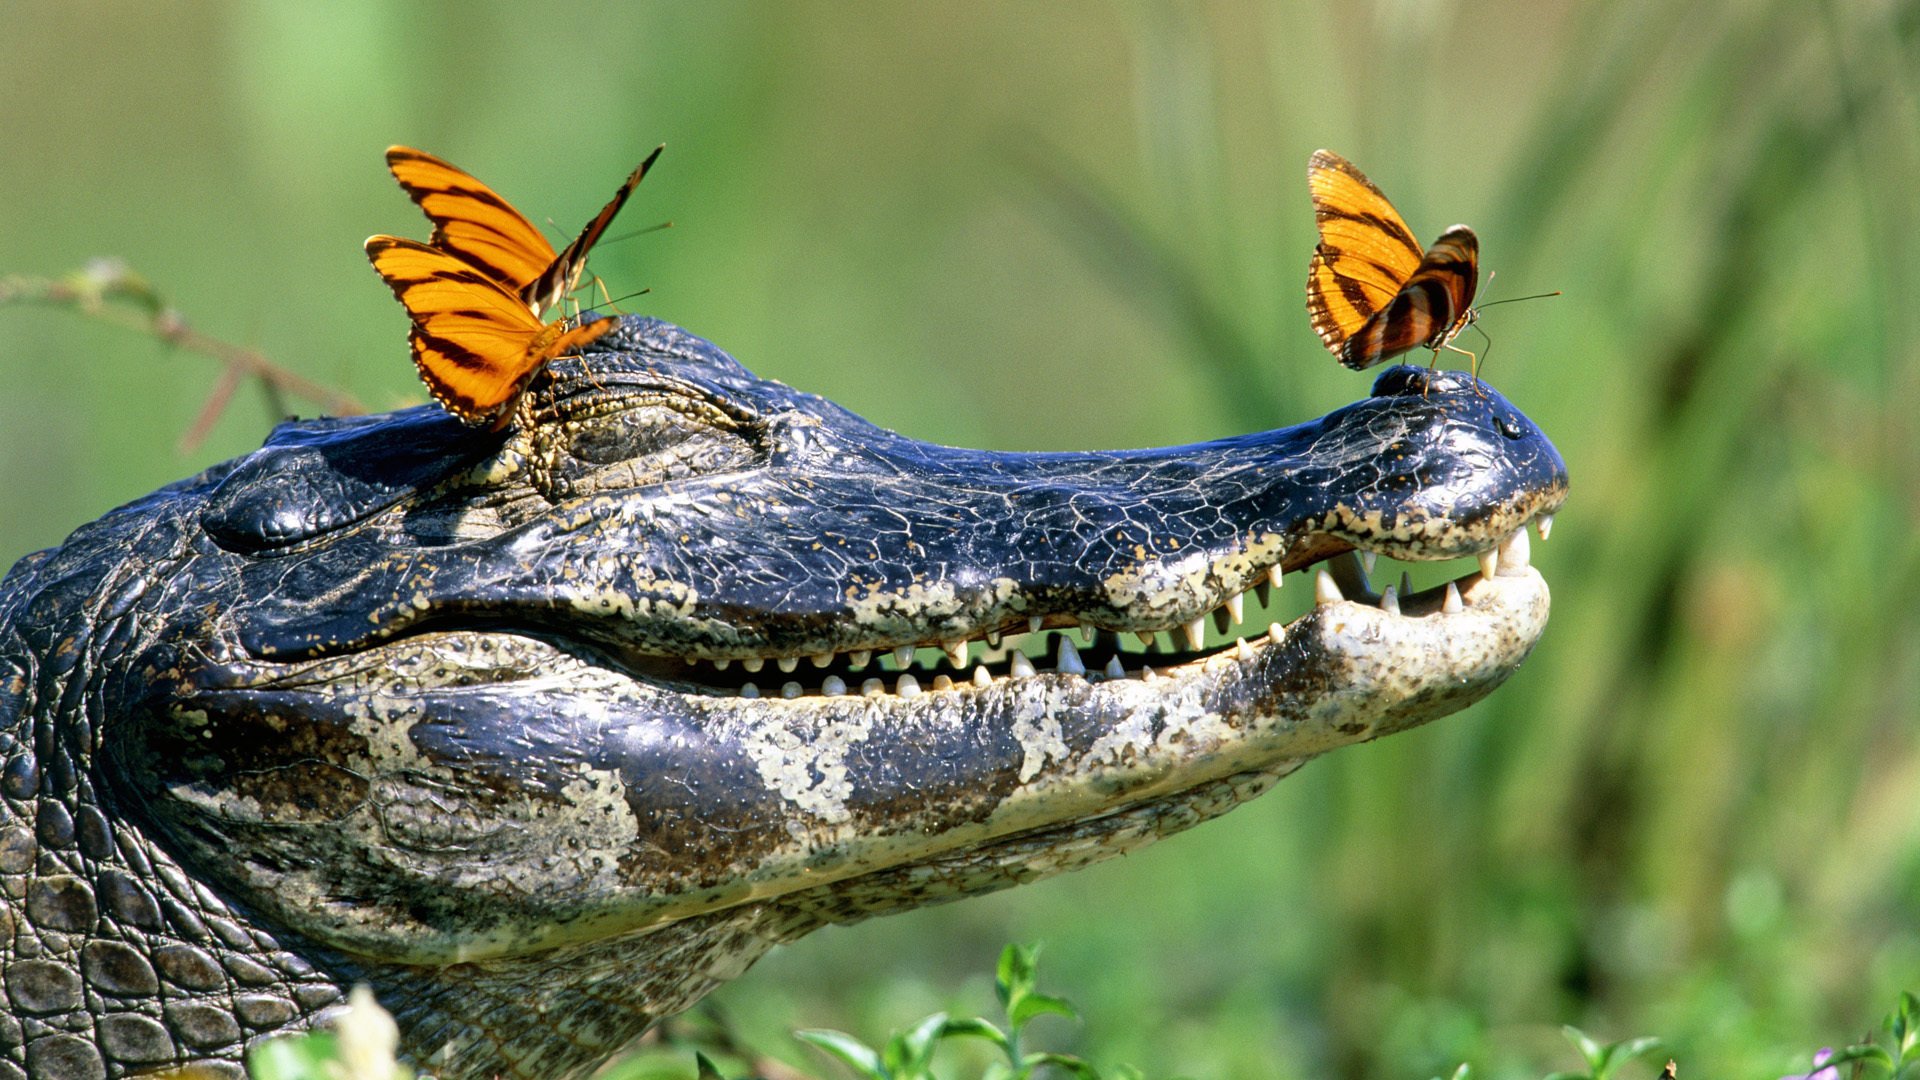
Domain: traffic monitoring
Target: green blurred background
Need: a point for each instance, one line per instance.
(1695, 812)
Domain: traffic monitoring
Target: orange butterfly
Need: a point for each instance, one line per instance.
(475, 294)
(482, 228)
(1371, 292)
(476, 344)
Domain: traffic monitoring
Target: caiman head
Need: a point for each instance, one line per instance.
(545, 733)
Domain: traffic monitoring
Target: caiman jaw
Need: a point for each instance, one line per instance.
(1476, 606)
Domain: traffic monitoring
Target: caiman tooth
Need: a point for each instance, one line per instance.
(956, 653)
(722, 664)
(1406, 584)
(753, 663)
(943, 682)
(1089, 632)
(821, 659)
(747, 689)
(1276, 632)
(1020, 666)
(1115, 669)
(1035, 622)
(1146, 638)
(993, 639)
(903, 657)
(790, 690)
(1349, 573)
(1069, 658)
(833, 686)
(788, 663)
(1544, 524)
(1147, 674)
(1196, 632)
(1517, 552)
(906, 685)
(1241, 649)
(1390, 601)
(1489, 563)
(1324, 590)
(981, 676)
(859, 658)
(872, 688)
(1236, 608)
(1277, 574)
(1368, 560)
(1451, 604)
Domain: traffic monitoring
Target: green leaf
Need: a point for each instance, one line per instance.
(1066, 1063)
(1590, 1050)
(1013, 975)
(1906, 1030)
(1867, 1052)
(1028, 1006)
(704, 1069)
(906, 1054)
(857, 1055)
(972, 1027)
(1569, 1076)
(1126, 1072)
(1459, 1073)
(1614, 1055)
(297, 1057)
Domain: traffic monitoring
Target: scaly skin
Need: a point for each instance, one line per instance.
(466, 716)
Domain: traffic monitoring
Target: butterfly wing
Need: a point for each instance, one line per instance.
(470, 220)
(1434, 304)
(476, 344)
(1372, 293)
(560, 276)
(1366, 252)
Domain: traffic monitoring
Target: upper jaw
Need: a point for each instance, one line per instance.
(849, 542)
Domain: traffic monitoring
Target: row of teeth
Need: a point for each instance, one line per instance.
(1340, 579)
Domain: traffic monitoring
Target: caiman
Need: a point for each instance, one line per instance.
(545, 733)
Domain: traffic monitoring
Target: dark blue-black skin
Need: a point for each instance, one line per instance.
(397, 701)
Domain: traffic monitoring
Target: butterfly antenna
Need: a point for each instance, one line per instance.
(637, 232)
(1517, 299)
(611, 301)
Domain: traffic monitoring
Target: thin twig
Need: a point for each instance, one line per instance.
(94, 292)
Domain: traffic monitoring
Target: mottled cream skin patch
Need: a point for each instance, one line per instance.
(1172, 712)
(810, 771)
(649, 598)
(1180, 589)
(1037, 728)
(930, 611)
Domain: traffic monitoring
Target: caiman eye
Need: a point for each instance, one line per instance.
(1510, 425)
(635, 441)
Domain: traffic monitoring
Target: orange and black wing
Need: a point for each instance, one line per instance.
(1435, 304)
(560, 276)
(1372, 292)
(471, 221)
(476, 344)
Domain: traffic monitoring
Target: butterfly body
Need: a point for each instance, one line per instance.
(1372, 291)
(477, 289)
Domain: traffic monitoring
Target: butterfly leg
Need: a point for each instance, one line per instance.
(1473, 360)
